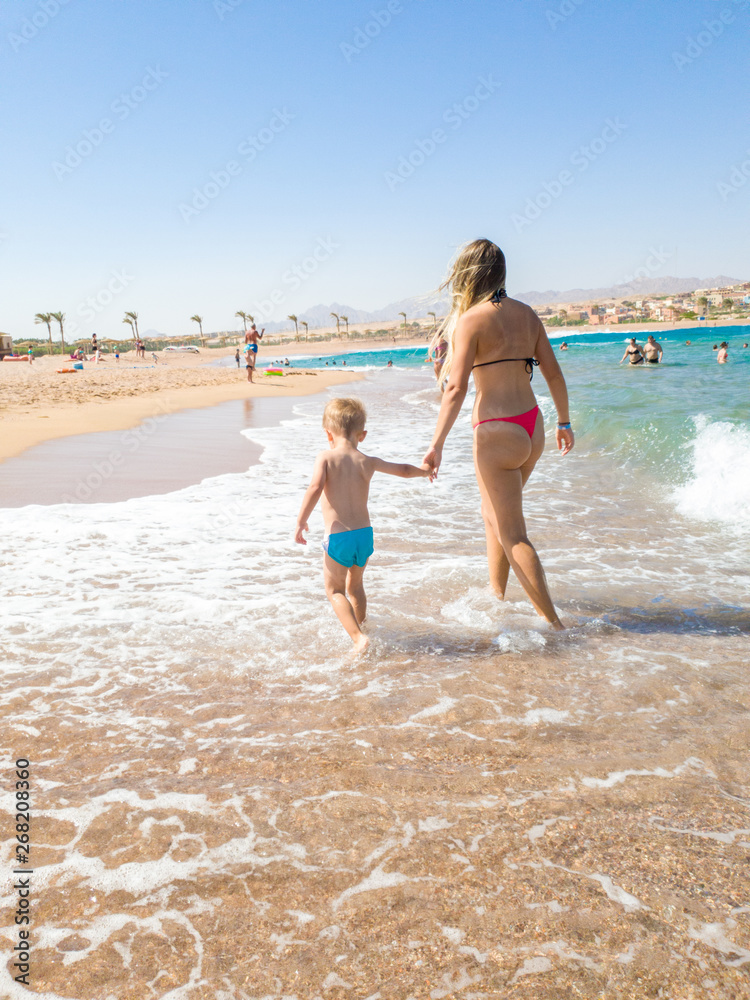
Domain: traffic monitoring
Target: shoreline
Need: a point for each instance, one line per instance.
(37, 405)
(35, 408)
(653, 327)
(160, 455)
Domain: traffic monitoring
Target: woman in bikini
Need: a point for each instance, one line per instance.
(633, 353)
(500, 341)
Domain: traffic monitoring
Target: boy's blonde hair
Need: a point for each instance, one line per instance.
(345, 416)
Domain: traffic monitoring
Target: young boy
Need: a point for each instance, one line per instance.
(342, 476)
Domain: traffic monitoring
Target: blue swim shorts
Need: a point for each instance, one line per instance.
(350, 548)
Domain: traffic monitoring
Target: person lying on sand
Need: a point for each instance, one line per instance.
(342, 478)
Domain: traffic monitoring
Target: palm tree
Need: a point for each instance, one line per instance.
(404, 315)
(346, 320)
(46, 318)
(338, 322)
(293, 318)
(132, 318)
(244, 317)
(305, 326)
(434, 321)
(59, 317)
(132, 328)
(199, 320)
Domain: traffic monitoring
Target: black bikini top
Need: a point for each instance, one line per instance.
(531, 363)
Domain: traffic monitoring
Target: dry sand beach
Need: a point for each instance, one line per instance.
(38, 404)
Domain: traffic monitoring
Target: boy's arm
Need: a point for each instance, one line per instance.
(401, 469)
(310, 499)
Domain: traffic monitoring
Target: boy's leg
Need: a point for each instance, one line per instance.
(356, 591)
(334, 576)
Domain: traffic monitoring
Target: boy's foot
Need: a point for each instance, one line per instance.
(361, 644)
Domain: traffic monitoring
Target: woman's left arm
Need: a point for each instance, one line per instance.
(464, 353)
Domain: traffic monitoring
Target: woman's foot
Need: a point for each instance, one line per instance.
(557, 625)
(361, 644)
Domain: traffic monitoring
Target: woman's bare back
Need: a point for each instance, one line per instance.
(509, 334)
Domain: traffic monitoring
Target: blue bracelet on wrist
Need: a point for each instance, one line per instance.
(564, 427)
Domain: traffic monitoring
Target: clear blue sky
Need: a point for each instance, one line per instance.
(221, 76)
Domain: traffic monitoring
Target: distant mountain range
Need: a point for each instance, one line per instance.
(640, 287)
(418, 306)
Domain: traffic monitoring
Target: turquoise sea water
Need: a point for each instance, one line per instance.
(684, 423)
(604, 343)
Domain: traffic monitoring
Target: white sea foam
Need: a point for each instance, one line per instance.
(719, 486)
(209, 577)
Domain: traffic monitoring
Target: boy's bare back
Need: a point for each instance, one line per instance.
(345, 473)
(346, 488)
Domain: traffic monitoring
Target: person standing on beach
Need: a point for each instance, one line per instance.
(723, 356)
(653, 351)
(500, 341)
(252, 340)
(249, 361)
(237, 357)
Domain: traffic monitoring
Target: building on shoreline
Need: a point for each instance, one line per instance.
(723, 303)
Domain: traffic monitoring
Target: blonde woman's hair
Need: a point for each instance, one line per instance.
(478, 272)
(344, 416)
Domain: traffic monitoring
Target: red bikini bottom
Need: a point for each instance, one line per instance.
(526, 420)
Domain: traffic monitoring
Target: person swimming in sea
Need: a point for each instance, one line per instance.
(723, 356)
(633, 353)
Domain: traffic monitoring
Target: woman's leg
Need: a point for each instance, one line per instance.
(497, 561)
(501, 488)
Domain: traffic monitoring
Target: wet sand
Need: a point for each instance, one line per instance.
(159, 455)
(409, 833)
